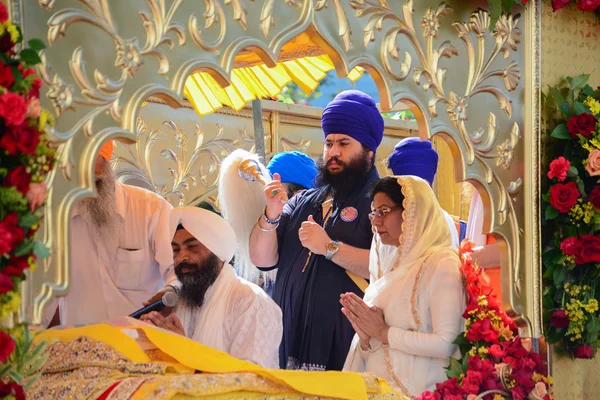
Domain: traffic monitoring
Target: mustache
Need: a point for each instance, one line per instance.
(337, 160)
(188, 265)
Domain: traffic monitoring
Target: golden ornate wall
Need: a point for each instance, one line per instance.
(473, 85)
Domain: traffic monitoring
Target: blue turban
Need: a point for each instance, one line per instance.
(355, 114)
(294, 167)
(411, 156)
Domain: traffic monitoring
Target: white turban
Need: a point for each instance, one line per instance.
(210, 230)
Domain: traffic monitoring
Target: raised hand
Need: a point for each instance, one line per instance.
(276, 197)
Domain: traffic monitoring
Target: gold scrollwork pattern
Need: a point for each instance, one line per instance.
(461, 77)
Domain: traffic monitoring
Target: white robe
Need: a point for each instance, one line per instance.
(423, 326)
(237, 317)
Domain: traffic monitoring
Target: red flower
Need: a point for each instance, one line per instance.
(3, 13)
(559, 319)
(518, 393)
(559, 168)
(11, 388)
(16, 266)
(570, 246)
(10, 233)
(471, 381)
(590, 250)
(496, 351)
(588, 5)
(563, 196)
(35, 88)
(6, 76)
(448, 388)
(12, 108)
(6, 283)
(18, 178)
(429, 396)
(582, 124)
(21, 138)
(7, 346)
(584, 351)
(482, 330)
(594, 197)
(558, 4)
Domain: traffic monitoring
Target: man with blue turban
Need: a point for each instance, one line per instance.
(413, 156)
(296, 170)
(319, 240)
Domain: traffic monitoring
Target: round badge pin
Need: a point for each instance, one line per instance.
(349, 214)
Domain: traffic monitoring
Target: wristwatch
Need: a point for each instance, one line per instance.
(332, 248)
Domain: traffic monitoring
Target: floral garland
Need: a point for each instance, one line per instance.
(497, 7)
(493, 358)
(25, 160)
(571, 221)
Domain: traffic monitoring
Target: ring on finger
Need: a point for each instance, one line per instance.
(274, 192)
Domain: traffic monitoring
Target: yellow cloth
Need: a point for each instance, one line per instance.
(193, 356)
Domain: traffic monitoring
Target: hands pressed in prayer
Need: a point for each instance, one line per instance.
(276, 196)
(171, 323)
(313, 236)
(368, 322)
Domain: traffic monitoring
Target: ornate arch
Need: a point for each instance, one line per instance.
(475, 85)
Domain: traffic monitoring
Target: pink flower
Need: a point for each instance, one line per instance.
(539, 392)
(12, 108)
(558, 4)
(559, 169)
(501, 368)
(593, 163)
(471, 397)
(588, 5)
(36, 195)
(34, 108)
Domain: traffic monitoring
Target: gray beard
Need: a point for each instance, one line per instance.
(101, 217)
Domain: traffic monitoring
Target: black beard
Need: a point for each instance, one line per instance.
(350, 176)
(194, 284)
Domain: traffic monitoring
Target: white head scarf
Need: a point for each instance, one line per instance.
(210, 230)
(424, 232)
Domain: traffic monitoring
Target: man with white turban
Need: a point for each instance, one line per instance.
(216, 307)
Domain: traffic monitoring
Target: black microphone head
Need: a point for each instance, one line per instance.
(170, 299)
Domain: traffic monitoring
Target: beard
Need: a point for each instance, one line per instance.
(350, 175)
(195, 283)
(100, 213)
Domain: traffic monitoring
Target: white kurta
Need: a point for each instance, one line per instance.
(238, 318)
(419, 357)
(104, 289)
(453, 232)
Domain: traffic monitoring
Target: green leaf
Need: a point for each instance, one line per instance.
(581, 187)
(30, 56)
(28, 220)
(548, 273)
(507, 6)
(557, 96)
(552, 213)
(455, 368)
(561, 132)
(564, 108)
(40, 250)
(559, 276)
(592, 329)
(495, 7)
(572, 172)
(25, 248)
(36, 44)
(587, 90)
(579, 81)
(580, 108)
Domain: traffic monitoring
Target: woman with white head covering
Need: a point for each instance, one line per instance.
(412, 311)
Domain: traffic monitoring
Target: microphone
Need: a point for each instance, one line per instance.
(169, 299)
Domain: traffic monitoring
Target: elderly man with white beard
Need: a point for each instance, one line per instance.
(120, 255)
(216, 307)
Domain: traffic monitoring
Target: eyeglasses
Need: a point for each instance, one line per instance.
(381, 212)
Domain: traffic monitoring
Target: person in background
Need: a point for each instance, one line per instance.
(217, 308)
(319, 240)
(412, 311)
(120, 254)
(413, 156)
(296, 170)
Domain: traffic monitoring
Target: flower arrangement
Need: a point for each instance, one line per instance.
(25, 160)
(494, 363)
(497, 7)
(571, 221)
